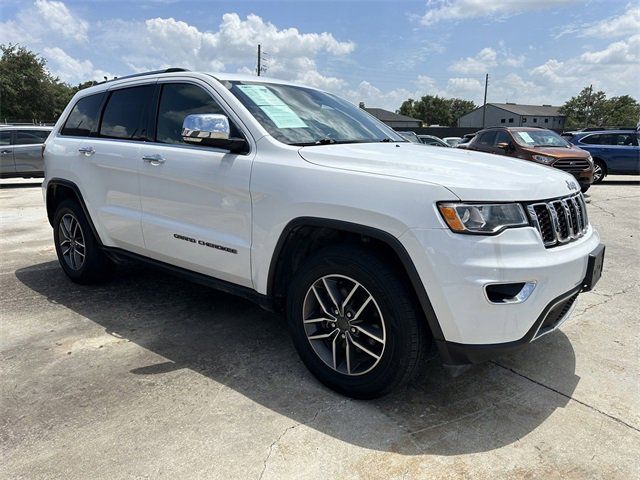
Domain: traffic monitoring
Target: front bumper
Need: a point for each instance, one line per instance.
(455, 269)
(554, 315)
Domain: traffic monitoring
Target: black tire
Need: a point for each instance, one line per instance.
(406, 334)
(603, 168)
(95, 266)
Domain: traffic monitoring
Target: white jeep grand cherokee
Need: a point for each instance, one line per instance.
(375, 247)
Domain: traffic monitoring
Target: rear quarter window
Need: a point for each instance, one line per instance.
(83, 119)
(5, 137)
(31, 137)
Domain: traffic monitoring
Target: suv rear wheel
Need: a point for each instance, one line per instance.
(354, 323)
(78, 251)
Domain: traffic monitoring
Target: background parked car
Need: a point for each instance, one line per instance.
(452, 141)
(410, 136)
(464, 141)
(538, 145)
(433, 140)
(613, 151)
(21, 150)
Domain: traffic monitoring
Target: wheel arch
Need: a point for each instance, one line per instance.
(59, 189)
(602, 162)
(289, 252)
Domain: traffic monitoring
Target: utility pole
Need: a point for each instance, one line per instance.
(484, 105)
(261, 68)
(588, 107)
(259, 59)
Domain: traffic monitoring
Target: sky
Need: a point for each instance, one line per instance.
(377, 52)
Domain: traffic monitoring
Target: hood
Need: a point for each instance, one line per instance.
(559, 152)
(468, 174)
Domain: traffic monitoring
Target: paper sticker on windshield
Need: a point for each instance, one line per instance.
(526, 137)
(260, 95)
(283, 117)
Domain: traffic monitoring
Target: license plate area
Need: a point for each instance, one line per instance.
(594, 268)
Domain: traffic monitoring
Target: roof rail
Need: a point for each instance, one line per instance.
(599, 129)
(152, 72)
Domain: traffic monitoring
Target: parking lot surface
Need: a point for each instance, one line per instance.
(150, 376)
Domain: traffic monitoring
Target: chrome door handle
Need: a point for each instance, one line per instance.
(87, 151)
(153, 159)
(5, 152)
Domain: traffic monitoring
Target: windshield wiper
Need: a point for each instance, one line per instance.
(325, 141)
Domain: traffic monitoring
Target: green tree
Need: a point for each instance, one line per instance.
(593, 109)
(622, 111)
(436, 110)
(27, 90)
(586, 109)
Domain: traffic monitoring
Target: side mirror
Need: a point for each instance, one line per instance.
(212, 130)
(504, 146)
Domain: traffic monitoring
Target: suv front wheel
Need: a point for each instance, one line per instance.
(354, 323)
(77, 247)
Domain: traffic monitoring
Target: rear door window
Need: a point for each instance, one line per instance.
(83, 119)
(599, 139)
(126, 113)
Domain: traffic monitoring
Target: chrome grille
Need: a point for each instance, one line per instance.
(560, 221)
(572, 164)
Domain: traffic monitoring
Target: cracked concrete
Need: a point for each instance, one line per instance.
(149, 376)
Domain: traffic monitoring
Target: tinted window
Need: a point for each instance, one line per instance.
(599, 139)
(486, 139)
(126, 113)
(30, 137)
(502, 137)
(5, 138)
(627, 139)
(178, 100)
(83, 118)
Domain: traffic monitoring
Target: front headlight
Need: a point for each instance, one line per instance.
(482, 218)
(543, 159)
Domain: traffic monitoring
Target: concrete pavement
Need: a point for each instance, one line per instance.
(150, 376)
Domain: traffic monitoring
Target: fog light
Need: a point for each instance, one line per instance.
(499, 293)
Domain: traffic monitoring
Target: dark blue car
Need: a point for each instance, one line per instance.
(614, 152)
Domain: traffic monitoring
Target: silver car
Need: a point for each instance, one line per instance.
(21, 150)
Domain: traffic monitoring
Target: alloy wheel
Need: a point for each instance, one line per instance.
(597, 173)
(71, 241)
(344, 324)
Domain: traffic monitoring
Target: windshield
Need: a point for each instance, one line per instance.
(410, 136)
(303, 116)
(540, 138)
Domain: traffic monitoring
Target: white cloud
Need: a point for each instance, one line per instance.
(165, 42)
(44, 23)
(615, 69)
(481, 63)
(453, 10)
(70, 69)
(625, 24)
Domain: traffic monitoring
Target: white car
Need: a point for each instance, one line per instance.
(372, 246)
(452, 141)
